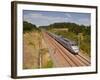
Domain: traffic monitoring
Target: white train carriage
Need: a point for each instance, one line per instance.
(66, 43)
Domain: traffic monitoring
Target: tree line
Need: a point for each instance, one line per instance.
(29, 27)
(72, 27)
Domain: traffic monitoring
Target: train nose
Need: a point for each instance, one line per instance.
(75, 48)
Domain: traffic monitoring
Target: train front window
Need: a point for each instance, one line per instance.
(74, 44)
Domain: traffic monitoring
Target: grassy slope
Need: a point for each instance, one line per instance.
(33, 43)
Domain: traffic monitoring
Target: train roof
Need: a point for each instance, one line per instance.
(66, 39)
(70, 41)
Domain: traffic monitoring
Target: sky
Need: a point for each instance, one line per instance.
(43, 18)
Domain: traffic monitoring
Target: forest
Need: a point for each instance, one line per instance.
(72, 27)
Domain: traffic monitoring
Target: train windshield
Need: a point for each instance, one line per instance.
(74, 44)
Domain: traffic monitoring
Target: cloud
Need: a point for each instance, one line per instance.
(85, 21)
(46, 19)
(68, 15)
(36, 15)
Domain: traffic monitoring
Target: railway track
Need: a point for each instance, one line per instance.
(72, 60)
(83, 60)
(63, 61)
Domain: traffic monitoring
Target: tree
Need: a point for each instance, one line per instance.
(28, 26)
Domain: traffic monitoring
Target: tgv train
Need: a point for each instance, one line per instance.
(66, 43)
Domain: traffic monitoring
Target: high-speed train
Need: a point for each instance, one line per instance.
(66, 43)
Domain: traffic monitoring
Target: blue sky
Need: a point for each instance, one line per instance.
(41, 18)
